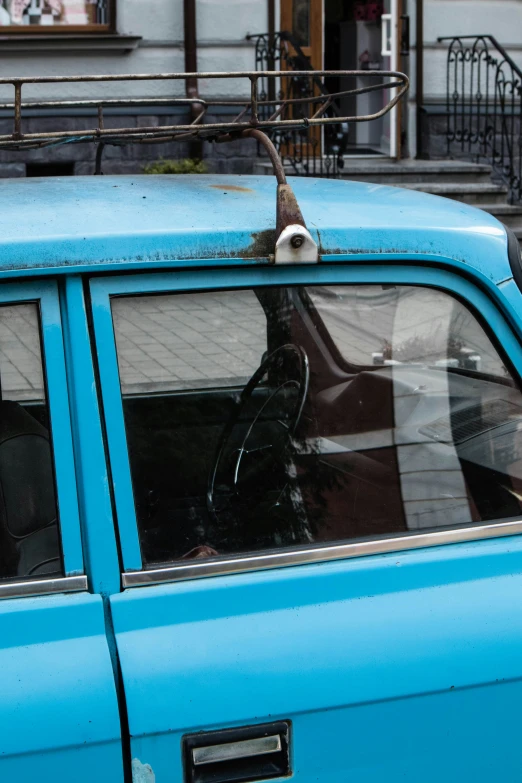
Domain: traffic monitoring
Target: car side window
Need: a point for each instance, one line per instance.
(425, 326)
(29, 532)
(188, 341)
(370, 411)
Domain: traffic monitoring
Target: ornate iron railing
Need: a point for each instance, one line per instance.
(305, 151)
(483, 101)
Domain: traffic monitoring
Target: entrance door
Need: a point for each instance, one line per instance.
(304, 20)
(58, 705)
(364, 430)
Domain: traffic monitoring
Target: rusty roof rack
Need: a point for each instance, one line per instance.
(247, 117)
(256, 115)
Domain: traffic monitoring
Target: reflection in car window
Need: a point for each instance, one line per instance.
(190, 341)
(369, 325)
(370, 411)
(29, 536)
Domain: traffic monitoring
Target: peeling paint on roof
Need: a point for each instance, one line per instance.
(76, 221)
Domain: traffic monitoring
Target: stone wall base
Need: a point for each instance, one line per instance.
(237, 157)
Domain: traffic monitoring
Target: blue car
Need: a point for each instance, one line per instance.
(261, 483)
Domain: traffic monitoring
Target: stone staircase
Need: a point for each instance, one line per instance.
(470, 183)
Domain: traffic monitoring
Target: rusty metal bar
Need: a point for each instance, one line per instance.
(273, 154)
(278, 112)
(321, 110)
(119, 102)
(327, 96)
(242, 113)
(244, 103)
(197, 119)
(288, 212)
(133, 77)
(18, 110)
(216, 126)
(197, 130)
(253, 100)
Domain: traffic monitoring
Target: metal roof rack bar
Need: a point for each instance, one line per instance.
(289, 113)
(256, 117)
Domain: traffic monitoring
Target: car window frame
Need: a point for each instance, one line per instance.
(103, 289)
(44, 293)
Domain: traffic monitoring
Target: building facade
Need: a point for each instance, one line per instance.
(72, 37)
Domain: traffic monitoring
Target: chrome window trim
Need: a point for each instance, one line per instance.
(318, 554)
(61, 584)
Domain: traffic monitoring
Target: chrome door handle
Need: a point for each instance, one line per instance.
(234, 755)
(236, 750)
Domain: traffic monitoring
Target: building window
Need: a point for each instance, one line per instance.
(60, 15)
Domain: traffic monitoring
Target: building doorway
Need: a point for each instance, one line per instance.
(353, 35)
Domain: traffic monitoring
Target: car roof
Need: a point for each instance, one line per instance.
(120, 221)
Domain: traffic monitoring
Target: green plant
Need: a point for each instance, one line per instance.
(183, 166)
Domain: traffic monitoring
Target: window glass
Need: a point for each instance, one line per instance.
(301, 21)
(29, 535)
(54, 12)
(370, 411)
(188, 341)
(443, 331)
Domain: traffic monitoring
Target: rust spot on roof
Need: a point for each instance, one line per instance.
(235, 188)
(263, 244)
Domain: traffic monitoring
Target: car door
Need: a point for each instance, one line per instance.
(58, 708)
(323, 564)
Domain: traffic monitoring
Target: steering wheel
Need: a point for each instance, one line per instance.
(289, 366)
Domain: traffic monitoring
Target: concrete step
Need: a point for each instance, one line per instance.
(416, 171)
(390, 172)
(469, 193)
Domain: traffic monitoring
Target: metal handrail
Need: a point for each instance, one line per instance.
(498, 46)
(484, 110)
(275, 110)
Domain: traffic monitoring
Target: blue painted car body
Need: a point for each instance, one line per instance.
(63, 224)
(404, 666)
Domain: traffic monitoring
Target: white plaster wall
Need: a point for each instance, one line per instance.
(221, 28)
(500, 18)
(217, 20)
(159, 20)
(230, 19)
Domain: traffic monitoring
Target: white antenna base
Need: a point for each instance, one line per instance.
(296, 246)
